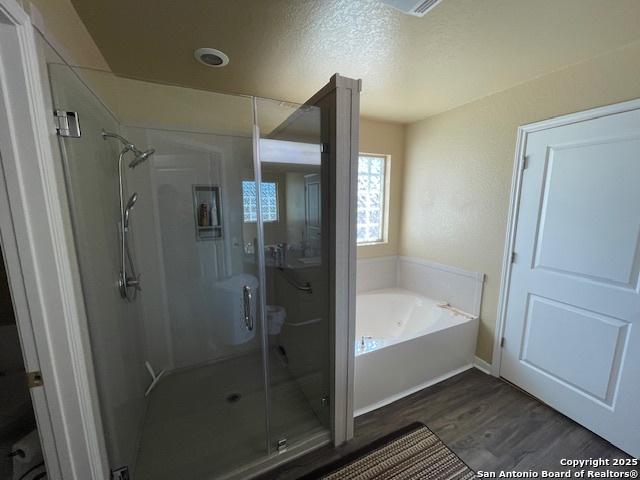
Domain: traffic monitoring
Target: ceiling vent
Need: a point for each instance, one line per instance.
(413, 7)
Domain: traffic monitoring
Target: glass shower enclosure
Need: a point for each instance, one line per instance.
(203, 231)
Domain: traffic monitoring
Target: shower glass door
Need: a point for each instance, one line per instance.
(213, 208)
(207, 417)
(115, 328)
(293, 181)
(179, 364)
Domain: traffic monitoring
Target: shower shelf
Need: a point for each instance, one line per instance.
(206, 209)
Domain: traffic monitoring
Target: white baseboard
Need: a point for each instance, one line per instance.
(398, 396)
(481, 365)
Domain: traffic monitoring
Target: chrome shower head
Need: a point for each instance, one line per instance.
(132, 201)
(140, 157)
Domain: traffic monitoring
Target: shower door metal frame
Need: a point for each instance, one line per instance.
(36, 239)
(262, 281)
(339, 104)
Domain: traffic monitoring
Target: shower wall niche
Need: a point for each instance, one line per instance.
(206, 209)
(225, 359)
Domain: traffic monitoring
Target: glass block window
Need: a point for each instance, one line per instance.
(268, 200)
(371, 191)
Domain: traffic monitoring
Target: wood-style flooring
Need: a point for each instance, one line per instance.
(491, 425)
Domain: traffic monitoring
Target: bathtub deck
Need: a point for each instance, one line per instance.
(490, 425)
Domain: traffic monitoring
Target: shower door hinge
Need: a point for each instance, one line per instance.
(525, 162)
(68, 124)
(34, 379)
(282, 445)
(324, 148)
(502, 342)
(121, 473)
(514, 257)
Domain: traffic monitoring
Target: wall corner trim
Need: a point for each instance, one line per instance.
(55, 304)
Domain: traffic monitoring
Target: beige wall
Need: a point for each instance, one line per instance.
(388, 139)
(127, 98)
(456, 176)
(61, 25)
(136, 102)
(458, 167)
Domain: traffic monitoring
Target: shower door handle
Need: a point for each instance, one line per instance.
(246, 297)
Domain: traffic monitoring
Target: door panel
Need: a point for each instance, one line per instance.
(581, 220)
(573, 346)
(574, 302)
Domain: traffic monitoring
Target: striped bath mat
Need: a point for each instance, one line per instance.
(413, 452)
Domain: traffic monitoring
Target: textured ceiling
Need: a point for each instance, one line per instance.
(411, 67)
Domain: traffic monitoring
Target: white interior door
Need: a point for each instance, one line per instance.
(572, 334)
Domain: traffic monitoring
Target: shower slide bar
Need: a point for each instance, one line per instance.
(127, 279)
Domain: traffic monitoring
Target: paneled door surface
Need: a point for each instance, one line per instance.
(572, 334)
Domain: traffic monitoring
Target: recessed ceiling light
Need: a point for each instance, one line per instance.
(211, 57)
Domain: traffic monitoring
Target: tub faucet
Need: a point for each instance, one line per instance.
(362, 340)
(281, 254)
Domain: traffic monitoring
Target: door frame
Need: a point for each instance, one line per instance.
(514, 204)
(38, 242)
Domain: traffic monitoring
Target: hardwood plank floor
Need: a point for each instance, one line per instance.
(490, 424)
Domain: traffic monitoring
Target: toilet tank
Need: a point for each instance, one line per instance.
(228, 309)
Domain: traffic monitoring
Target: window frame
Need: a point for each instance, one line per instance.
(384, 227)
(277, 188)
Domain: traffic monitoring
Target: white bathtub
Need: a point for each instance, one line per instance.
(406, 342)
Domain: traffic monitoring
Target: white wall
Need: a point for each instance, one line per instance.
(376, 273)
(179, 273)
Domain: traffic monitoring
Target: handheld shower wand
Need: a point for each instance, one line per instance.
(132, 201)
